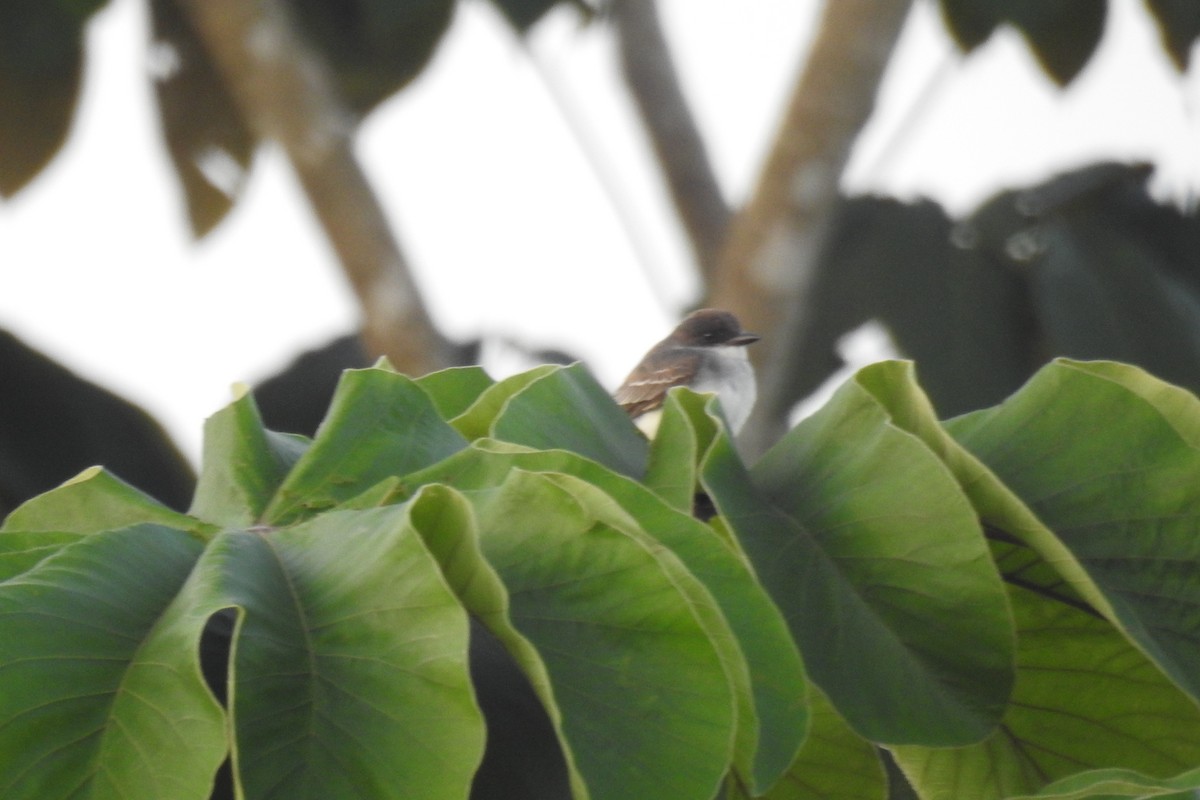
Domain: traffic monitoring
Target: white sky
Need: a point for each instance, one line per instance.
(507, 224)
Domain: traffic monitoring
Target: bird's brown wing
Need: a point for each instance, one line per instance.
(646, 387)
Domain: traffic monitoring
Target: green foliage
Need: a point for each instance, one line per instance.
(1006, 601)
(894, 581)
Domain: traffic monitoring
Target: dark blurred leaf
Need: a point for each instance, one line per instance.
(1179, 26)
(374, 47)
(524, 14)
(958, 313)
(1086, 264)
(296, 399)
(1062, 33)
(1112, 274)
(1099, 295)
(522, 757)
(54, 424)
(41, 58)
(210, 146)
(971, 22)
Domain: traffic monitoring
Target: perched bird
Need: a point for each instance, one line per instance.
(706, 353)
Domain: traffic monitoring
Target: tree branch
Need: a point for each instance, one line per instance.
(285, 92)
(767, 266)
(651, 78)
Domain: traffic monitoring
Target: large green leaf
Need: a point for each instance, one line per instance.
(1106, 456)
(20, 551)
(870, 548)
(349, 676)
(453, 390)
(102, 694)
(613, 645)
(1119, 783)
(777, 683)
(672, 470)
(566, 408)
(380, 424)
(1084, 699)
(91, 502)
(835, 762)
(1078, 682)
(94, 500)
(1021, 545)
(553, 407)
(242, 464)
(475, 421)
(689, 425)
(741, 728)
(1177, 406)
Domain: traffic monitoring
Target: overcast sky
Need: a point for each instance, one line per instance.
(491, 193)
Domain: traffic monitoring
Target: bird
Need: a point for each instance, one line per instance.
(706, 353)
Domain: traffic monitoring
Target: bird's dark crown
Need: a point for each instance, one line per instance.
(710, 326)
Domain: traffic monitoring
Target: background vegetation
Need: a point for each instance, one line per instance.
(464, 587)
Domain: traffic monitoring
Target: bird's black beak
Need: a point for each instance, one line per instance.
(743, 339)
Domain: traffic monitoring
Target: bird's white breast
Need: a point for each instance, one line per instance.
(730, 376)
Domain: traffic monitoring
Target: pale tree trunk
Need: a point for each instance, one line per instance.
(768, 263)
(285, 93)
